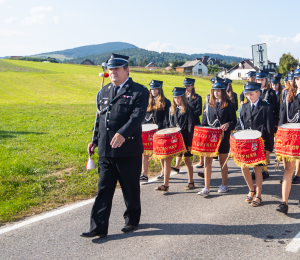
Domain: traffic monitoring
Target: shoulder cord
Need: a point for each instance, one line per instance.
(171, 121)
(295, 118)
(242, 125)
(149, 118)
(266, 96)
(207, 116)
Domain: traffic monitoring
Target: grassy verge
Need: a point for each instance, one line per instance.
(46, 118)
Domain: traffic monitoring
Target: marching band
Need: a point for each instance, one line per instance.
(134, 125)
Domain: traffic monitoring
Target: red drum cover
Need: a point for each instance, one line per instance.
(287, 142)
(148, 141)
(206, 141)
(168, 144)
(247, 152)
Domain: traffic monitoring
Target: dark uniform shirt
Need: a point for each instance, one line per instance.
(161, 117)
(260, 119)
(122, 114)
(293, 109)
(197, 105)
(186, 122)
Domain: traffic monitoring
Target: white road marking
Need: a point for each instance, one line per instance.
(294, 245)
(54, 213)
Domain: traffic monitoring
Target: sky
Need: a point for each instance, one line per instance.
(30, 27)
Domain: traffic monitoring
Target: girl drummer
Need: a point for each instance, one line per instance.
(289, 113)
(157, 113)
(219, 112)
(195, 101)
(277, 87)
(269, 95)
(256, 115)
(181, 115)
(232, 95)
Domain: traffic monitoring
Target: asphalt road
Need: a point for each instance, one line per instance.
(177, 225)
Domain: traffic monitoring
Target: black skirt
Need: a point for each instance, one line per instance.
(225, 146)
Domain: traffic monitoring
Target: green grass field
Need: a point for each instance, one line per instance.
(47, 114)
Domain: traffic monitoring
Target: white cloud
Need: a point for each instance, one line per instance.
(40, 16)
(11, 33)
(2, 1)
(277, 45)
(40, 9)
(11, 19)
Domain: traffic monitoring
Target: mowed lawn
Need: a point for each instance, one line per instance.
(47, 112)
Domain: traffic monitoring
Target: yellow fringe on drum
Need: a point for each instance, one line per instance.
(147, 152)
(244, 165)
(287, 157)
(205, 154)
(159, 157)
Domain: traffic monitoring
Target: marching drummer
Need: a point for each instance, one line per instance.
(195, 101)
(157, 113)
(181, 115)
(277, 87)
(232, 95)
(251, 78)
(267, 94)
(219, 112)
(289, 113)
(257, 114)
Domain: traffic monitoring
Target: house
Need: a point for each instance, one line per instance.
(151, 65)
(87, 62)
(240, 70)
(194, 67)
(207, 60)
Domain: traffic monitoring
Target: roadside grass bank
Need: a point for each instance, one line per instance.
(47, 113)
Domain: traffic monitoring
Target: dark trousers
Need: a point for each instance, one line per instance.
(127, 171)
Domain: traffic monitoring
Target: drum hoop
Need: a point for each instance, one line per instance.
(159, 132)
(239, 131)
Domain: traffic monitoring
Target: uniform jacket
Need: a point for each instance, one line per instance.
(161, 118)
(236, 104)
(225, 115)
(197, 105)
(186, 122)
(293, 109)
(277, 109)
(261, 119)
(271, 99)
(122, 114)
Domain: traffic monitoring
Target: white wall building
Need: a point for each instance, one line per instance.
(194, 67)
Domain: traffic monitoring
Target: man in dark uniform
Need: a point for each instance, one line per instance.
(122, 104)
(251, 78)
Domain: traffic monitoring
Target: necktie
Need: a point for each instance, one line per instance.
(116, 90)
(252, 108)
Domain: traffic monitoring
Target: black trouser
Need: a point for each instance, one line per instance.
(127, 170)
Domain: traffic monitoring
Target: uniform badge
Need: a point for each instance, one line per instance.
(109, 86)
(100, 107)
(105, 102)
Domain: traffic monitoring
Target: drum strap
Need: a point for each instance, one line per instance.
(295, 118)
(207, 116)
(149, 118)
(241, 122)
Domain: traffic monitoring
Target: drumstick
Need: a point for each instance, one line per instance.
(226, 161)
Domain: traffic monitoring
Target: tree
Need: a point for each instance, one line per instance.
(145, 63)
(286, 63)
(165, 64)
(140, 63)
(130, 62)
(233, 64)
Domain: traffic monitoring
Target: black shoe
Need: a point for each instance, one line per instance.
(296, 180)
(143, 178)
(93, 234)
(282, 207)
(265, 175)
(201, 174)
(253, 175)
(199, 166)
(175, 169)
(216, 158)
(128, 228)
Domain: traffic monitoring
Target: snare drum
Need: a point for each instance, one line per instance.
(168, 143)
(206, 141)
(247, 148)
(287, 141)
(147, 136)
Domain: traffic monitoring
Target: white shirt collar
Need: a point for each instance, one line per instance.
(179, 107)
(254, 103)
(122, 85)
